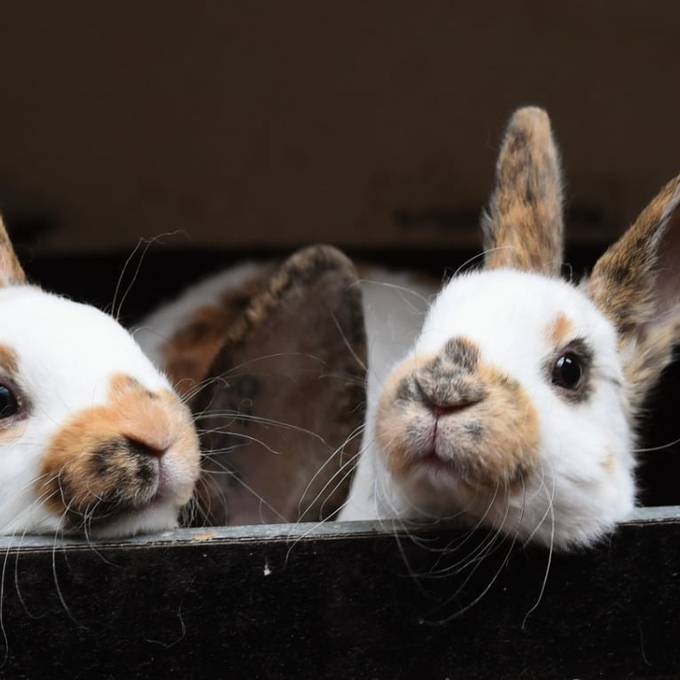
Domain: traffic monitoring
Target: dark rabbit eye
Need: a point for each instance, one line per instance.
(567, 371)
(9, 405)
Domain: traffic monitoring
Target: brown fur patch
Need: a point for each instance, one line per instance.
(189, 354)
(88, 464)
(511, 430)
(560, 330)
(9, 362)
(191, 351)
(10, 270)
(523, 228)
(623, 280)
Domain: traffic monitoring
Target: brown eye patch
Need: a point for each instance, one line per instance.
(559, 330)
(9, 363)
(569, 370)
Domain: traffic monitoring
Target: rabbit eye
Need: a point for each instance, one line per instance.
(567, 371)
(9, 405)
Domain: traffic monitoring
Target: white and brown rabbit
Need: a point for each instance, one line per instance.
(93, 439)
(515, 406)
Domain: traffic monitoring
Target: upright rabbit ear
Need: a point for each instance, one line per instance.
(636, 283)
(11, 272)
(523, 227)
(280, 424)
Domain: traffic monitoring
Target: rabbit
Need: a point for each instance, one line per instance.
(93, 439)
(515, 407)
(271, 357)
(283, 347)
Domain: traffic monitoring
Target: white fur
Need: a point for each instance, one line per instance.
(575, 498)
(67, 354)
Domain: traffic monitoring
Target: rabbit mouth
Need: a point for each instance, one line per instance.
(156, 486)
(440, 459)
(438, 455)
(454, 451)
(432, 460)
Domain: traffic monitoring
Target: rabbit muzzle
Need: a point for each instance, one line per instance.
(136, 451)
(453, 416)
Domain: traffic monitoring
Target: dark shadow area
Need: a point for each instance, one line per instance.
(357, 604)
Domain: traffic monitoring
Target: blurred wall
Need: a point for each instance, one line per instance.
(363, 123)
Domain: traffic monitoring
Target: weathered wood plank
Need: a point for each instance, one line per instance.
(341, 602)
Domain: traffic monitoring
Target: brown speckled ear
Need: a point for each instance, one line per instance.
(523, 226)
(281, 421)
(11, 272)
(636, 283)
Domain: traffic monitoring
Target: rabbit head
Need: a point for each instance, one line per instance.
(516, 407)
(92, 438)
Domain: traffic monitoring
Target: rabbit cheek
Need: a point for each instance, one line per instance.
(113, 459)
(507, 452)
(402, 424)
(90, 471)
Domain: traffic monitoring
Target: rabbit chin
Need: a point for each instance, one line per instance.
(158, 516)
(568, 514)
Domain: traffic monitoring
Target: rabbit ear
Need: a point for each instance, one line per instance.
(523, 227)
(10, 270)
(281, 420)
(636, 283)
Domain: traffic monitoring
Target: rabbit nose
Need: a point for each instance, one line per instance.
(443, 398)
(145, 448)
(447, 384)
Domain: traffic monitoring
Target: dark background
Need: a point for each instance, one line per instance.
(366, 124)
(253, 128)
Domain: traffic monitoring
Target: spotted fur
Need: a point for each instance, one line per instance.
(636, 284)
(494, 437)
(99, 443)
(106, 459)
(523, 227)
(470, 420)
